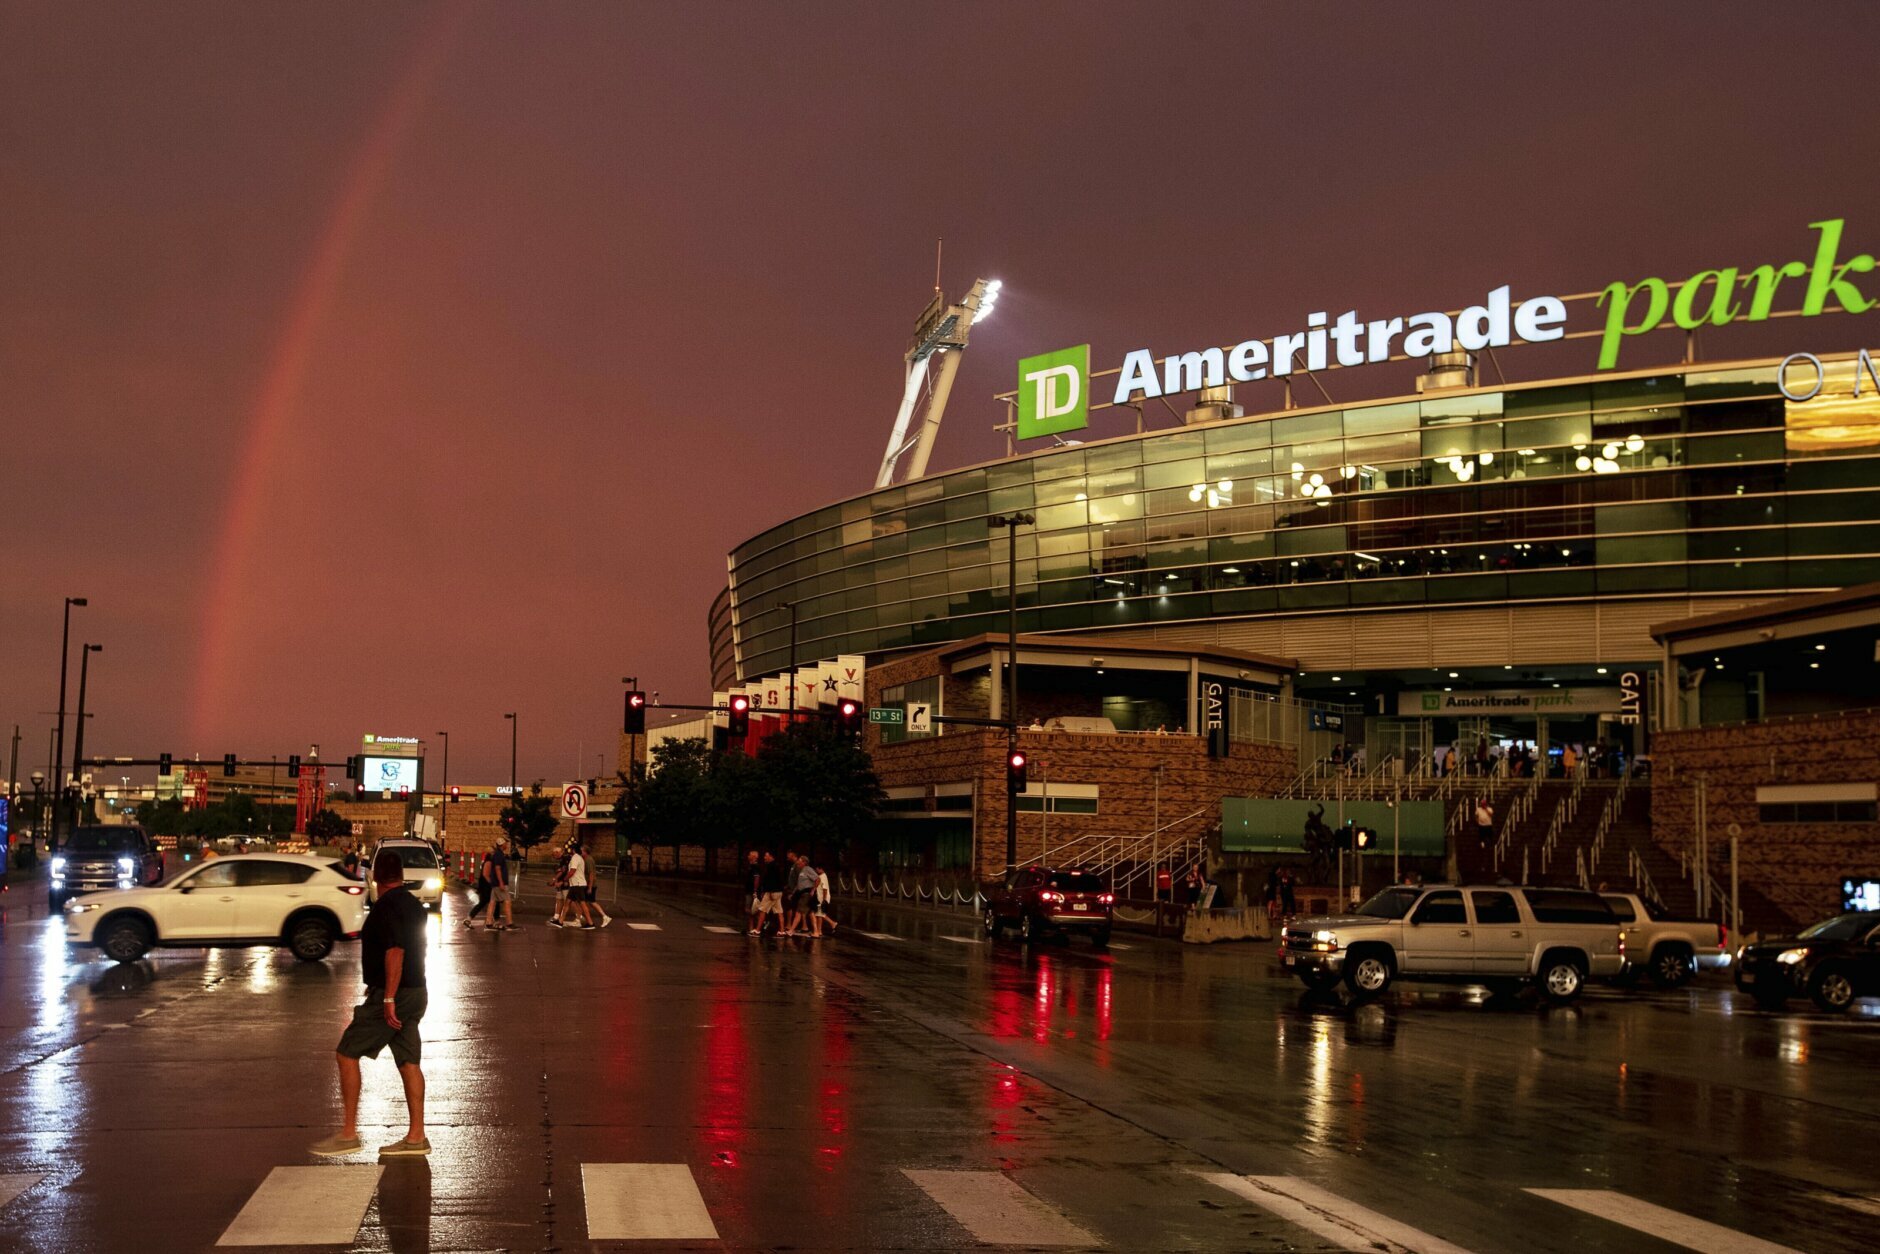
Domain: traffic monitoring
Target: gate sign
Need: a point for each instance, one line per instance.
(574, 800)
(919, 718)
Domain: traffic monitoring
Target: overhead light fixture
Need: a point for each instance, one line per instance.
(1634, 443)
(1600, 670)
(1821, 648)
(988, 297)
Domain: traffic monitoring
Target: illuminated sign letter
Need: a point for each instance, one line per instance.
(1138, 376)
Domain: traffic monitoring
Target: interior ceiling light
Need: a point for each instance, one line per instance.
(1634, 443)
(1582, 462)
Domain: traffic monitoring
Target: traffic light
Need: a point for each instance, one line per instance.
(636, 714)
(1015, 771)
(1365, 838)
(163, 764)
(849, 715)
(740, 716)
(456, 794)
(293, 766)
(228, 764)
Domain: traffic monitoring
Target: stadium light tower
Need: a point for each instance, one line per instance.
(940, 333)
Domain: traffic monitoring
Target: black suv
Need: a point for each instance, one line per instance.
(96, 858)
(1833, 962)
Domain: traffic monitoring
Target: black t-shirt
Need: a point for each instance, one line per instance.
(772, 877)
(396, 921)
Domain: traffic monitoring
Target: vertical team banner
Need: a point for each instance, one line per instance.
(849, 668)
(808, 686)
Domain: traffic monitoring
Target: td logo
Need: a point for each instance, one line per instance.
(1054, 392)
(1432, 701)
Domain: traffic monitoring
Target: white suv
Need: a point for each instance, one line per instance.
(302, 902)
(1494, 934)
(424, 875)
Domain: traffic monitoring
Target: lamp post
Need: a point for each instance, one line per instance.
(78, 737)
(1011, 523)
(443, 798)
(39, 810)
(58, 755)
(512, 757)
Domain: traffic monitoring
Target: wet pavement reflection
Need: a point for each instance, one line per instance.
(868, 1091)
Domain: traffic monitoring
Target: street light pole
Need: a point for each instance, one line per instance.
(512, 757)
(58, 756)
(443, 799)
(78, 737)
(1011, 522)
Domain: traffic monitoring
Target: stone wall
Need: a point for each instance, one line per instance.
(1798, 867)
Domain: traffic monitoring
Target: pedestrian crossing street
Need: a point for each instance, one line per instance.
(328, 1204)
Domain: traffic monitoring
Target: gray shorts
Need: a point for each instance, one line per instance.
(368, 1033)
(498, 893)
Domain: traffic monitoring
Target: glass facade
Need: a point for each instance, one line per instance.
(1693, 481)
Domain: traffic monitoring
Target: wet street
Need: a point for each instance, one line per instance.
(907, 1085)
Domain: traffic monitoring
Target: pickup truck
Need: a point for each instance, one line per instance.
(1495, 934)
(1668, 950)
(97, 857)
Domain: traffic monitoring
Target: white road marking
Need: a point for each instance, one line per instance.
(1865, 1205)
(880, 936)
(992, 1206)
(1328, 1216)
(644, 927)
(644, 1202)
(963, 940)
(727, 931)
(306, 1206)
(11, 1186)
(1667, 1225)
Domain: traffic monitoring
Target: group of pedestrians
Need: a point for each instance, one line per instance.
(576, 905)
(790, 892)
(492, 890)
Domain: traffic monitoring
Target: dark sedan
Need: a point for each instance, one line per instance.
(1833, 962)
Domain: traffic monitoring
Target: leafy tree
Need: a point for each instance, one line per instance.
(328, 825)
(669, 801)
(528, 819)
(819, 786)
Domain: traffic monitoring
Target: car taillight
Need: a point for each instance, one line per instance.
(1048, 895)
(1107, 898)
(1723, 936)
(352, 889)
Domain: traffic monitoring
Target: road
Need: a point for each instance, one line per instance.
(905, 1085)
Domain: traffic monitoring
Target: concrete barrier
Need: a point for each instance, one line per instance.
(1204, 927)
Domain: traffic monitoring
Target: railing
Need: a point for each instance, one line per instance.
(1642, 878)
(892, 888)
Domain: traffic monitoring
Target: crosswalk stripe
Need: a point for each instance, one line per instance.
(1865, 1205)
(306, 1206)
(879, 936)
(644, 927)
(11, 1186)
(644, 1202)
(1328, 1216)
(1667, 1225)
(992, 1206)
(727, 931)
(1120, 945)
(963, 940)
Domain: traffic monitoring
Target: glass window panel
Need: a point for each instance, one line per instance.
(1182, 474)
(1173, 446)
(1061, 491)
(1107, 509)
(1811, 541)
(1238, 468)
(1006, 500)
(1056, 517)
(1322, 427)
(1105, 458)
(927, 561)
(1058, 465)
(1237, 437)
(969, 505)
(1378, 419)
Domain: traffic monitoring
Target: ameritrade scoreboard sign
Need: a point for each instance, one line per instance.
(1053, 388)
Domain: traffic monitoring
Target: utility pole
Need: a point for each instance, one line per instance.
(443, 804)
(13, 767)
(1011, 523)
(58, 754)
(78, 738)
(512, 757)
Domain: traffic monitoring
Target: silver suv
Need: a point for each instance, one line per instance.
(1494, 934)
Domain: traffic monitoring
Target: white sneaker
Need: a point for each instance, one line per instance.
(607, 920)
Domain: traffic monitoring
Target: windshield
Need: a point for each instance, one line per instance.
(102, 840)
(1392, 903)
(412, 856)
(1069, 882)
(1842, 927)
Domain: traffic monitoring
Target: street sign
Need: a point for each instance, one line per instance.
(359, 829)
(574, 800)
(919, 718)
(885, 714)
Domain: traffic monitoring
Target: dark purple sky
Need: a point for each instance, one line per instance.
(389, 367)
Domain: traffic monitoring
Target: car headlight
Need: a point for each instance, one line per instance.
(78, 905)
(127, 865)
(1791, 956)
(1329, 938)
(58, 866)
(434, 881)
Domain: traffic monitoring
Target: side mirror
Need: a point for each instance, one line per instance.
(186, 888)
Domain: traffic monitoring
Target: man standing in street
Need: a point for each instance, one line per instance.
(392, 962)
(770, 880)
(753, 884)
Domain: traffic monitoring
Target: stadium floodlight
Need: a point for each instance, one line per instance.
(941, 333)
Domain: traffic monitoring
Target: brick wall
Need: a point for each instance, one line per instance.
(1796, 866)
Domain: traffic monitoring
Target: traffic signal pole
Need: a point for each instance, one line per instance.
(1011, 523)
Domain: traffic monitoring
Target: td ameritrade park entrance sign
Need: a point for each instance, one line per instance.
(1053, 388)
(1565, 701)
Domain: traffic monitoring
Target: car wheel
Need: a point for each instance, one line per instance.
(1831, 989)
(1027, 930)
(1100, 939)
(125, 940)
(311, 939)
(1367, 974)
(1671, 967)
(1561, 980)
(992, 924)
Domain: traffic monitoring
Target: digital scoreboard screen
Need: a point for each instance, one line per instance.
(393, 775)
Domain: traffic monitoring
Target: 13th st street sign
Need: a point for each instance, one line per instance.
(885, 714)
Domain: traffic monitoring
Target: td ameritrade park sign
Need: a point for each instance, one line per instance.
(1511, 701)
(1053, 388)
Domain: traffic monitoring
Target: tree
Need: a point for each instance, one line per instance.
(328, 825)
(819, 786)
(669, 801)
(528, 820)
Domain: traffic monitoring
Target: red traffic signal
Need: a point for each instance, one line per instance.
(1015, 762)
(849, 714)
(740, 715)
(456, 793)
(635, 720)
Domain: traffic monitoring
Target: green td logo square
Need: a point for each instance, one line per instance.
(1054, 392)
(1433, 701)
